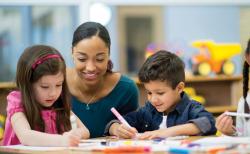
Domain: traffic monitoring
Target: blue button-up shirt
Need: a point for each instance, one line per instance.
(148, 118)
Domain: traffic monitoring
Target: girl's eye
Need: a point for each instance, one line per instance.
(44, 87)
(60, 85)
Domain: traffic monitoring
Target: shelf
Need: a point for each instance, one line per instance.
(7, 85)
(216, 78)
(205, 79)
(221, 109)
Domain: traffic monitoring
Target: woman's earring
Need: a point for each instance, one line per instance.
(110, 66)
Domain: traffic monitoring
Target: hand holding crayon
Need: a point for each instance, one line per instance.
(123, 130)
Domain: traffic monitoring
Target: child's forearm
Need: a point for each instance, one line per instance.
(35, 138)
(185, 129)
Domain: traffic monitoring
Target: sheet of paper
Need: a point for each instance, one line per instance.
(35, 148)
(223, 140)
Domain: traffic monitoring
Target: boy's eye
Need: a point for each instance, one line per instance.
(160, 93)
(149, 93)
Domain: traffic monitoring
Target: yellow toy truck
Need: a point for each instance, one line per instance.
(192, 94)
(213, 57)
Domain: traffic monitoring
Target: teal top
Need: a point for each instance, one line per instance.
(124, 97)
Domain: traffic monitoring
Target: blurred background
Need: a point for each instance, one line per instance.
(136, 28)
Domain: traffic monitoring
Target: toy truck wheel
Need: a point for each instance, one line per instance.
(228, 67)
(204, 68)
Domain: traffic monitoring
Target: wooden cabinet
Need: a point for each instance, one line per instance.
(218, 91)
(221, 92)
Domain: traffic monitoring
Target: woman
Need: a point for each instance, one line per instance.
(93, 85)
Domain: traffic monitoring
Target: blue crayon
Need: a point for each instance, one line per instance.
(179, 151)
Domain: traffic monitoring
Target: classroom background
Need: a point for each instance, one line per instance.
(137, 28)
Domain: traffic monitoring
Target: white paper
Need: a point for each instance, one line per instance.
(223, 140)
(35, 148)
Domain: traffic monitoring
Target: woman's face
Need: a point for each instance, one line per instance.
(91, 58)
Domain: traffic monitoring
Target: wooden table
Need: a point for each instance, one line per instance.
(65, 150)
(74, 150)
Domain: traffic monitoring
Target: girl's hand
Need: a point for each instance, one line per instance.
(73, 137)
(224, 124)
(123, 131)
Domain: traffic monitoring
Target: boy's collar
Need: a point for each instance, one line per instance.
(181, 105)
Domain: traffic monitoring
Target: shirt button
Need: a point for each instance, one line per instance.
(146, 125)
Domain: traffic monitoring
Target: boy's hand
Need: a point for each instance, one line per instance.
(224, 124)
(123, 131)
(73, 137)
(152, 134)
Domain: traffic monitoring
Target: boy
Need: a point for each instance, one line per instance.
(169, 111)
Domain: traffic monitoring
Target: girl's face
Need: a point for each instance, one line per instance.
(162, 96)
(48, 88)
(91, 59)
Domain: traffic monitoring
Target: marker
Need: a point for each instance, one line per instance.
(119, 116)
(190, 145)
(177, 137)
(127, 149)
(238, 114)
(179, 150)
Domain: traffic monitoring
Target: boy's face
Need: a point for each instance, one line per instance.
(162, 96)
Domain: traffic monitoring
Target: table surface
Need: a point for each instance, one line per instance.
(74, 150)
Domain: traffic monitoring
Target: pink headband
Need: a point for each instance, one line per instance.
(42, 59)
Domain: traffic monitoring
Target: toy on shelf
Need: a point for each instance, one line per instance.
(213, 57)
(154, 47)
(2, 121)
(192, 94)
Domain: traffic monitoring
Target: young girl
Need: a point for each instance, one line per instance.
(224, 123)
(38, 114)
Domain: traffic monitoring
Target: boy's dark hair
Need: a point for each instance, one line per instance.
(27, 75)
(246, 79)
(163, 66)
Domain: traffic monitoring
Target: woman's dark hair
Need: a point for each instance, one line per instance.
(89, 29)
(246, 79)
(31, 67)
(163, 66)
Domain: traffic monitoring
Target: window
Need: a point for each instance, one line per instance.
(22, 26)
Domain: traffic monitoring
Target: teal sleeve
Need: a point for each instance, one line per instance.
(132, 100)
